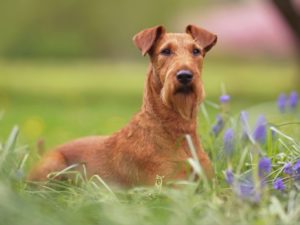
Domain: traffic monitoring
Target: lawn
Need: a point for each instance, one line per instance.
(58, 101)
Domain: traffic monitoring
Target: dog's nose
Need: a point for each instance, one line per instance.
(184, 76)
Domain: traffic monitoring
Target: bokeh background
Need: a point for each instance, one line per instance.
(69, 68)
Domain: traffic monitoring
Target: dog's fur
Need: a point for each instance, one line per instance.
(153, 142)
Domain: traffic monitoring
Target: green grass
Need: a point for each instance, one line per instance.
(60, 101)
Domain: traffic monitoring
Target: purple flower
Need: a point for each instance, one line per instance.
(224, 98)
(244, 117)
(244, 187)
(244, 123)
(296, 165)
(264, 166)
(247, 191)
(293, 99)
(260, 131)
(288, 168)
(229, 177)
(281, 102)
(218, 126)
(278, 184)
(228, 141)
(296, 169)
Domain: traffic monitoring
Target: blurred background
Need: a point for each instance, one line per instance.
(69, 68)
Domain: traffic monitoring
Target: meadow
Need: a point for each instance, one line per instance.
(51, 102)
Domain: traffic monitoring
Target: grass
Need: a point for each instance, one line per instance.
(61, 101)
(57, 102)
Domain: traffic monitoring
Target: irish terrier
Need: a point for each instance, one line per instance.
(153, 142)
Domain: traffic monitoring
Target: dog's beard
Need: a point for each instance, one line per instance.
(182, 99)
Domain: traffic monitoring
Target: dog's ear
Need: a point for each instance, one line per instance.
(145, 39)
(205, 38)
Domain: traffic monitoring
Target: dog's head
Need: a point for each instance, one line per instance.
(177, 63)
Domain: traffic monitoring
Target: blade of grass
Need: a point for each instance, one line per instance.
(195, 163)
(97, 177)
(9, 145)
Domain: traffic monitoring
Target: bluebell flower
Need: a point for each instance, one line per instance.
(293, 100)
(281, 102)
(245, 188)
(264, 166)
(224, 98)
(296, 165)
(244, 117)
(260, 131)
(247, 191)
(228, 142)
(278, 184)
(229, 177)
(288, 168)
(296, 169)
(218, 126)
(245, 126)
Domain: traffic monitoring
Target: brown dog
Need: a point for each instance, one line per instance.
(153, 142)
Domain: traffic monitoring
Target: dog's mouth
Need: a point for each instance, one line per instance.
(184, 89)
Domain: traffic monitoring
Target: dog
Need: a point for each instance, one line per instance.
(153, 143)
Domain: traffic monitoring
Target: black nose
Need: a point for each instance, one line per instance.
(184, 76)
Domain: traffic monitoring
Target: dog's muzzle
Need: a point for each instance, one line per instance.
(184, 77)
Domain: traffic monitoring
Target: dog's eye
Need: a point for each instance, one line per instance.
(166, 52)
(196, 51)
